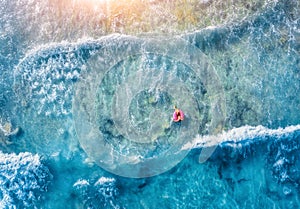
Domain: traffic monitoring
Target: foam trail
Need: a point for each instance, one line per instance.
(241, 134)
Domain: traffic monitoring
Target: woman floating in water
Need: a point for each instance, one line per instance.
(178, 115)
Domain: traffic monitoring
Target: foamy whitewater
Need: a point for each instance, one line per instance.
(85, 113)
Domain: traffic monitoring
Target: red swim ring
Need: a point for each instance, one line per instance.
(176, 115)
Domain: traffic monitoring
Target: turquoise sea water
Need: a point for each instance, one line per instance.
(63, 106)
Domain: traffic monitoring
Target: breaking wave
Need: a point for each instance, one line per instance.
(23, 180)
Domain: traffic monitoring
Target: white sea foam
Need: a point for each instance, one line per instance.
(23, 180)
(104, 180)
(240, 134)
(101, 194)
(81, 182)
(45, 76)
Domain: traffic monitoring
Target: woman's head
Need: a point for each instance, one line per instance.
(176, 109)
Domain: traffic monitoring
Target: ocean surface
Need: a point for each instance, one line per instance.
(85, 111)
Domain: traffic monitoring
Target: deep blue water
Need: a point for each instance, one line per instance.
(86, 123)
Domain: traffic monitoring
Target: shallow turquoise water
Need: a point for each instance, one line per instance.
(239, 83)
